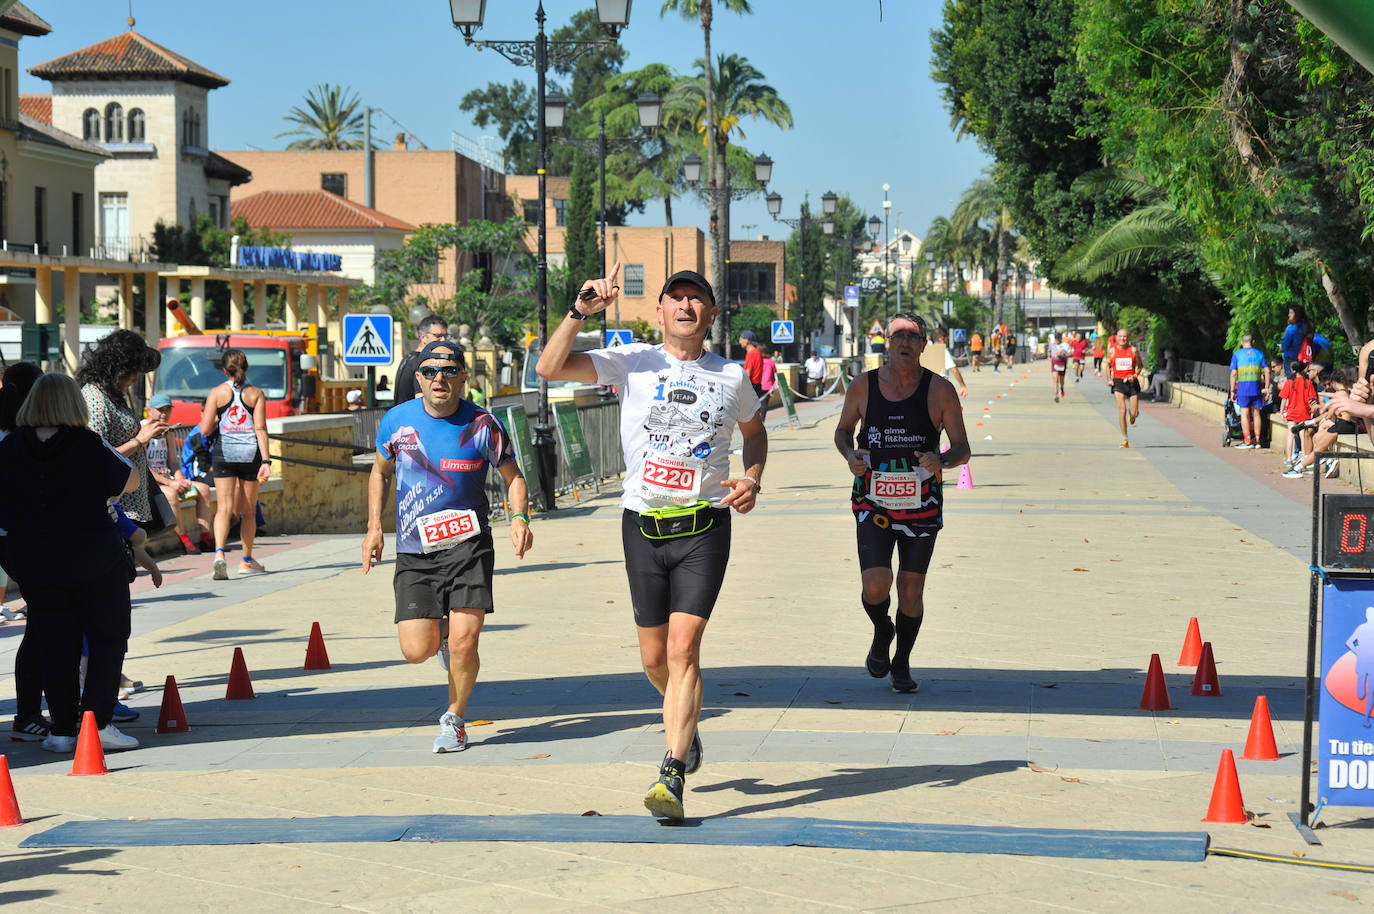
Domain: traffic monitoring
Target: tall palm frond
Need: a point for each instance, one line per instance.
(332, 121)
(1149, 230)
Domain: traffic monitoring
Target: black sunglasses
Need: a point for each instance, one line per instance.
(430, 372)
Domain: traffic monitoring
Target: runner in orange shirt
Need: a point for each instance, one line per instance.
(975, 347)
(1123, 364)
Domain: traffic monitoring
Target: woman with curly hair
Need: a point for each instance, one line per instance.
(108, 370)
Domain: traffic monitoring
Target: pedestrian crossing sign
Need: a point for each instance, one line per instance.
(618, 338)
(782, 331)
(367, 339)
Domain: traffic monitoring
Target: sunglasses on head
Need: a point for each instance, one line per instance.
(430, 372)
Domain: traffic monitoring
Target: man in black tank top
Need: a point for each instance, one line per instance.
(901, 410)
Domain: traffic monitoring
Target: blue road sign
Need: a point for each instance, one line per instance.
(619, 338)
(782, 331)
(367, 339)
(851, 296)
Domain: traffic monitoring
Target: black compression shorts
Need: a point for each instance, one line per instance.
(428, 586)
(877, 537)
(682, 575)
(247, 472)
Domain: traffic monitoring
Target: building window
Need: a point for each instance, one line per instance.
(40, 218)
(531, 208)
(335, 183)
(753, 283)
(192, 211)
(560, 212)
(214, 212)
(632, 274)
(114, 223)
(136, 126)
(114, 123)
(90, 125)
(195, 128)
(78, 217)
(186, 127)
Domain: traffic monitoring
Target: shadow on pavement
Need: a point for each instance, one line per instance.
(847, 783)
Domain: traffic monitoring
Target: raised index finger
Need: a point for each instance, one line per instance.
(615, 271)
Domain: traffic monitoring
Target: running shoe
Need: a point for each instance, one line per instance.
(123, 714)
(878, 662)
(1293, 473)
(1330, 468)
(187, 545)
(694, 754)
(206, 543)
(903, 683)
(1125, 442)
(111, 740)
(10, 615)
(221, 567)
(250, 566)
(453, 736)
(30, 731)
(1056, 398)
(664, 798)
(55, 743)
(128, 687)
(442, 654)
(1132, 417)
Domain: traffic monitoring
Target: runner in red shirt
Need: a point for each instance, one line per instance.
(1123, 364)
(1077, 347)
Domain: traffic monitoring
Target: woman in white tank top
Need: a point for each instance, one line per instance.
(235, 420)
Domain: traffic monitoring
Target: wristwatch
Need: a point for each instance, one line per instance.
(575, 314)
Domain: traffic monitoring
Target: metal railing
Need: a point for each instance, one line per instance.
(1208, 374)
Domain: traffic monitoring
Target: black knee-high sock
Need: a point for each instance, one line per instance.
(908, 627)
(877, 612)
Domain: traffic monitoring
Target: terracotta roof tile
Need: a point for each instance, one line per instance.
(127, 55)
(311, 209)
(31, 128)
(19, 18)
(38, 107)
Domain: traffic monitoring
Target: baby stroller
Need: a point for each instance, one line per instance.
(1233, 430)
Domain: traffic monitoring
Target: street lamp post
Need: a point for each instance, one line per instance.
(613, 15)
(774, 200)
(887, 209)
(763, 173)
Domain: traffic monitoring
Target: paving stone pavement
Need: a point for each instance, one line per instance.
(1056, 577)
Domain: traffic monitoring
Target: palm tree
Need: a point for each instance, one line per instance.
(331, 121)
(705, 10)
(1153, 229)
(982, 203)
(715, 104)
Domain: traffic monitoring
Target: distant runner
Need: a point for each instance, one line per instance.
(901, 410)
(437, 447)
(1124, 365)
(1076, 350)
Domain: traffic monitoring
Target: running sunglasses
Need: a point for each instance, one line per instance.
(430, 372)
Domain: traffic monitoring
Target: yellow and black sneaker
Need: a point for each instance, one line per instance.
(664, 798)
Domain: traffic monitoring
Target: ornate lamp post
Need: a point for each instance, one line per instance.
(541, 53)
(763, 173)
(828, 200)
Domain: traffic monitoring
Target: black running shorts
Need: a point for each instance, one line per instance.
(877, 537)
(1128, 387)
(681, 575)
(428, 586)
(247, 472)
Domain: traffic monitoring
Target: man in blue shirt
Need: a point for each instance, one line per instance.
(438, 447)
(1249, 381)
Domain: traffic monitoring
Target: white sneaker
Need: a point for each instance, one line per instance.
(221, 572)
(54, 743)
(1330, 468)
(111, 740)
(10, 615)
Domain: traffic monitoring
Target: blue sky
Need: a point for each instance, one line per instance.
(865, 111)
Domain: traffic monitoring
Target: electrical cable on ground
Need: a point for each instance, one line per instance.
(1297, 861)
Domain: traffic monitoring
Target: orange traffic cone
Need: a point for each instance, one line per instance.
(1192, 645)
(9, 803)
(1259, 744)
(240, 686)
(966, 476)
(1155, 696)
(1227, 804)
(172, 717)
(1205, 682)
(316, 657)
(90, 755)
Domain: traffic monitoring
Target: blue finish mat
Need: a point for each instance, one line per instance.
(555, 828)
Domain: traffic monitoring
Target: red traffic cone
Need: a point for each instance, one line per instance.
(90, 755)
(966, 475)
(240, 686)
(316, 657)
(1205, 682)
(1155, 696)
(1192, 645)
(172, 717)
(1227, 804)
(1259, 744)
(9, 803)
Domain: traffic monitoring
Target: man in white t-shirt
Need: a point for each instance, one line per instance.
(815, 373)
(679, 407)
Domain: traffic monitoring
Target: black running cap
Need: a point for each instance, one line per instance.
(691, 277)
(443, 349)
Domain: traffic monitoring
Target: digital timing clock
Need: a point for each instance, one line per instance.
(1347, 533)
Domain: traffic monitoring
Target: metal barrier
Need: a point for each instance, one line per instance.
(1208, 374)
(601, 427)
